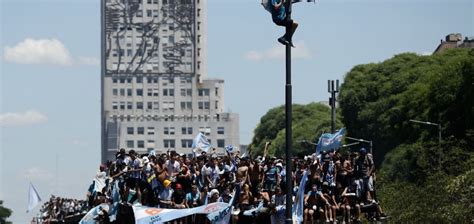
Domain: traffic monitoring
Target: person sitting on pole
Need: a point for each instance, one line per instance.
(280, 17)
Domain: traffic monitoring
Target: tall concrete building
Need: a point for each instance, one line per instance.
(155, 92)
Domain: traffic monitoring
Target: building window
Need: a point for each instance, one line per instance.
(122, 92)
(122, 105)
(129, 92)
(139, 92)
(155, 92)
(122, 80)
(151, 130)
(139, 79)
(168, 106)
(186, 92)
(148, 12)
(129, 105)
(149, 105)
(168, 131)
(156, 105)
(186, 105)
(115, 92)
(129, 80)
(140, 130)
(187, 130)
(139, 105)
(203, 105)
(220, 130)
(168, 92)
(114, 80)
(220, 143)
(169, 143)
(205, 130)
(140, 144)
(114, 105)
(130, 130)
(130, 144)
(186, 143)
(203, 92)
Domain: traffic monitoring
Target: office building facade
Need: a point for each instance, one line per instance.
(155, 92)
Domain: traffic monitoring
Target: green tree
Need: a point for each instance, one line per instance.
(308, 123)
(378, 100)
(4, 213)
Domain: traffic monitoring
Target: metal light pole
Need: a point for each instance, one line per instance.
(362, 140)
(333, 89)
(432, 124)
(288, 107)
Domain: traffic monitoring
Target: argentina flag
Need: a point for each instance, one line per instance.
(200, 143)
(329, 141)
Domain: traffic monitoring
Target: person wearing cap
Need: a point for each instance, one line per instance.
(165, 195)
(178, 198)
(365, 167)
(214, 196)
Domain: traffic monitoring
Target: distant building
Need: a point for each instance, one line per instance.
(155, 94)
(454, 40)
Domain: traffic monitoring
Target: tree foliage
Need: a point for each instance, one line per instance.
(378, 100)
(308, 123)
(420, 180)
(425, 183)
(4, 213)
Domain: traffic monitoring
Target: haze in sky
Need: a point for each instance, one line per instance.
(50, 73)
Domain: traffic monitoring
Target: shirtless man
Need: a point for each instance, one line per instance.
(243, 172)
(255, 175)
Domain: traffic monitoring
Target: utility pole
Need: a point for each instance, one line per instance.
(288, 115)
(333, 89)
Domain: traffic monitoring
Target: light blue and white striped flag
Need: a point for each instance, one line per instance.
(298, 206)
(200, 143)
(329, 141)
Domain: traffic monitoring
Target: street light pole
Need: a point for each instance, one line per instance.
(333, 89)
(288, 115)
(362, 140)
(432, 124)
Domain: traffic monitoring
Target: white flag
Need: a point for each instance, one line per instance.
(33, 198)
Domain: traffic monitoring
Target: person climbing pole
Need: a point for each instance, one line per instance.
(280, 17)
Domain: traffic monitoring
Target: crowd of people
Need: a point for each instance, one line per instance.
(339, 188)
(57, 208)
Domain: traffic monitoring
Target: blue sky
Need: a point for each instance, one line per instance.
(50, 105)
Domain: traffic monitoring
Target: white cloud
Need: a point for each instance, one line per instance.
(44, 51)
(41, 51)
(35, 173)
(22, 119)
(301, 51)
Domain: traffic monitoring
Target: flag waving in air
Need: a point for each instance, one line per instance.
(329, 141)
(33, 198)
(200, 143)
